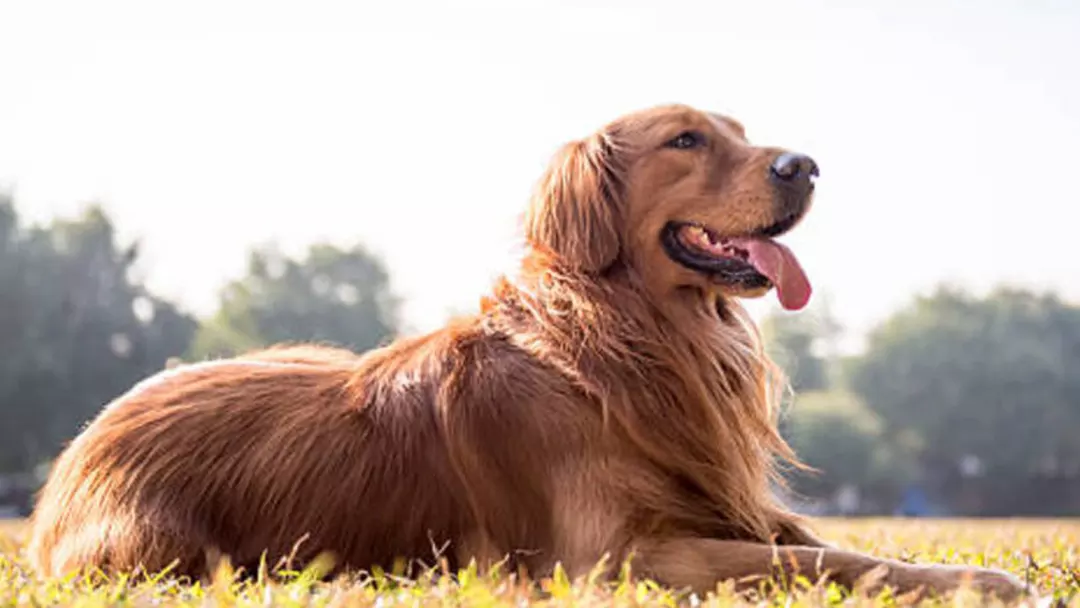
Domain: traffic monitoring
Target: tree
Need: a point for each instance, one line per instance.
(847, 444)
(990, 387)
(795, 343)
(333, 295)
(76, 330)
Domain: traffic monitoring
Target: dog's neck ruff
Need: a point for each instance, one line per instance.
(662, 382)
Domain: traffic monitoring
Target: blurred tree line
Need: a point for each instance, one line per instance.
(957, 405)
(78, 327)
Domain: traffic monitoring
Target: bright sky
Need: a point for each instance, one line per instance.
(948, 135)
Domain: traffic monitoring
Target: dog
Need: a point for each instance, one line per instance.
(609, 403)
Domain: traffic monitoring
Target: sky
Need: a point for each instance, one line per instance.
(948, 132)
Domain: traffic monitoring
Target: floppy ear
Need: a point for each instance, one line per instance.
(575, 212)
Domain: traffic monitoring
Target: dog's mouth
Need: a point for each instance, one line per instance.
(752, 262)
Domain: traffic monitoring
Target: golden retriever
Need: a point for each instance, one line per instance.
(610, 399)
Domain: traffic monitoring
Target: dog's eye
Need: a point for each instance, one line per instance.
(686, 140)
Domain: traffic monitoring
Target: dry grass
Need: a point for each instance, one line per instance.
(1047, 553)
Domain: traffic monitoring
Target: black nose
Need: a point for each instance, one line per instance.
(793, 168)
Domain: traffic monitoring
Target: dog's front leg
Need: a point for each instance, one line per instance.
(701, 563)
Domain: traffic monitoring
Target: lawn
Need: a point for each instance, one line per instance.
(1045, 552)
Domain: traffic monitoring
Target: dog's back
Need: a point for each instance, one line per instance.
(253, 455)
(431, 447)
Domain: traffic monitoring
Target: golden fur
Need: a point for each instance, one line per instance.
(605, 401)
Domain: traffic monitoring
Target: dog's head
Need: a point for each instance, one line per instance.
(680, 197)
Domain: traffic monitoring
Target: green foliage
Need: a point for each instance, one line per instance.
(831, 429)
(835, 433)
(76, 329)
(795, 342)
(339, 296)
(994, 379)
(976, 400)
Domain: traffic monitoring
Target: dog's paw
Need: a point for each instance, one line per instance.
(941, 579)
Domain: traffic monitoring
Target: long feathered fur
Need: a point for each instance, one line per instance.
(591, 407)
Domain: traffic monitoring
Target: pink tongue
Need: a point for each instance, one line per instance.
(778, 263)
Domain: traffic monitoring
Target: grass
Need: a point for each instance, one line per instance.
(1046, 553)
